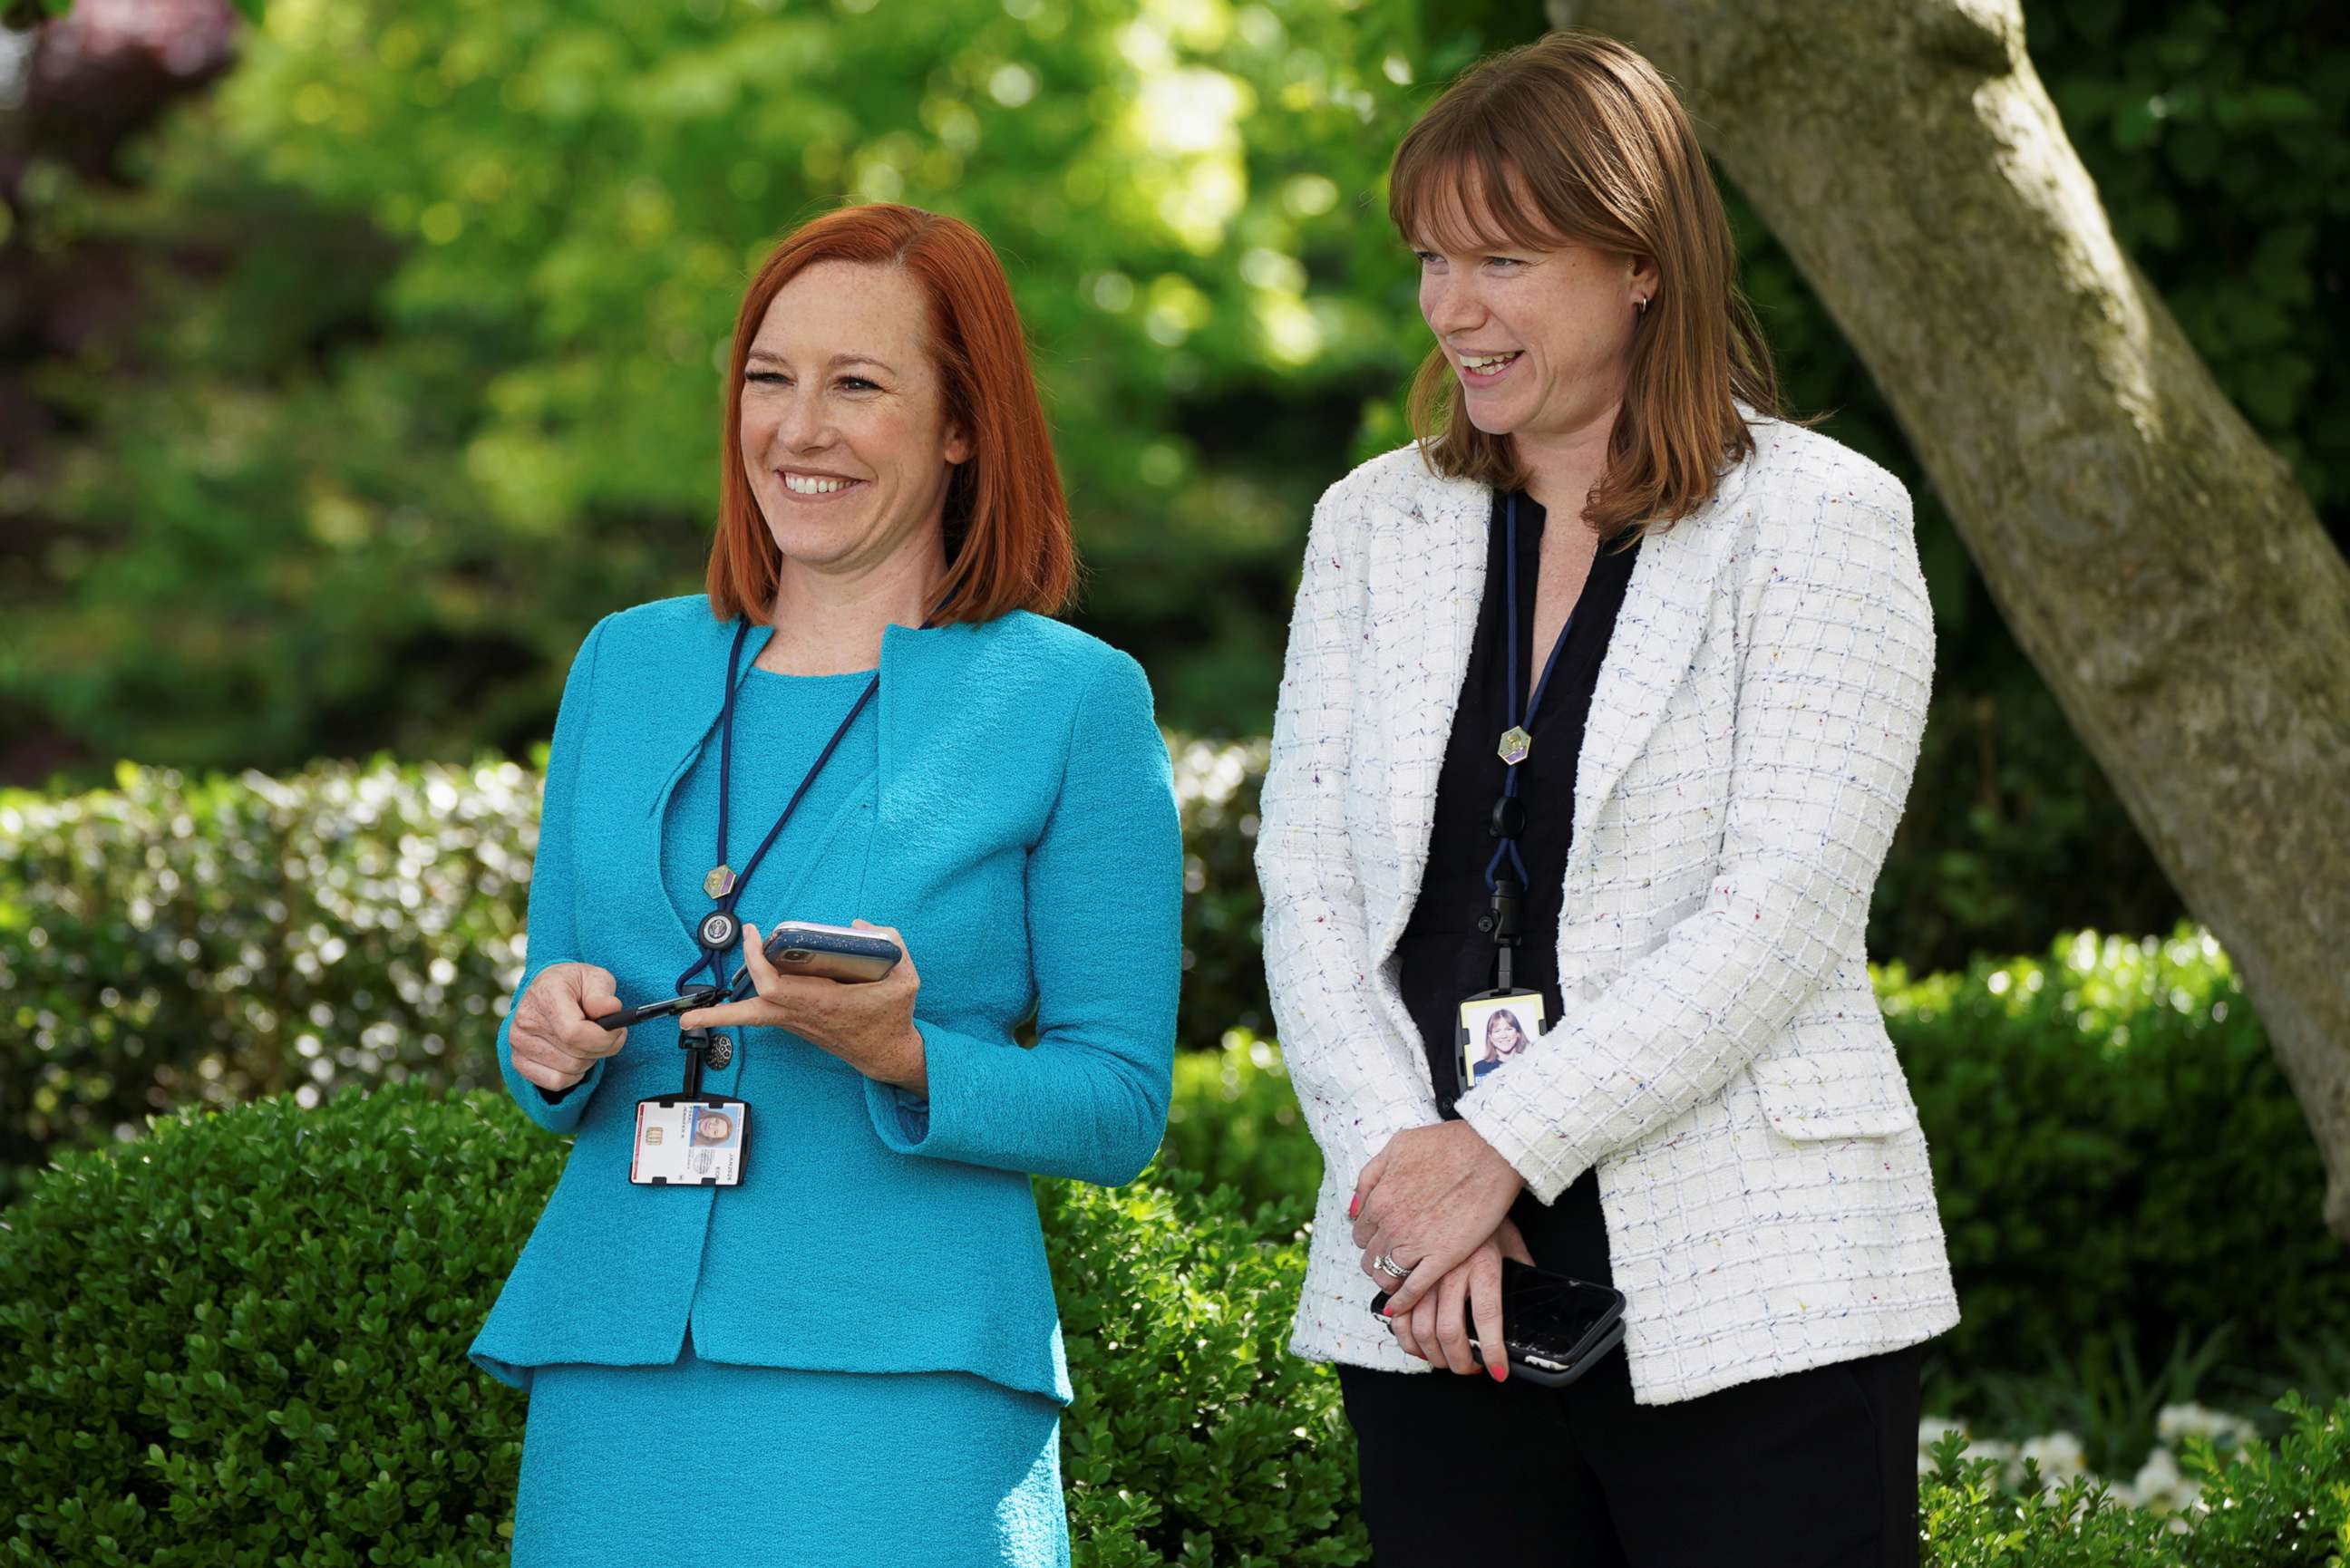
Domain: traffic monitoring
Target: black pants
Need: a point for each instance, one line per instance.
(1813, 1470)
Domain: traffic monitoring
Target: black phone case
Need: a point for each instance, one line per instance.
(1543, 1365)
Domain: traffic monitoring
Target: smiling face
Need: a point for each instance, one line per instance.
(1502, 1034)
(844, 433)
(1539, 338)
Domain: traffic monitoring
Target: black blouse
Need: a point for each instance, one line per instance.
(1442, 954)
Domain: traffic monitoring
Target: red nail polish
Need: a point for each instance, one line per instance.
(1388, 1311)
(1499, 1375)
(1353, 1204)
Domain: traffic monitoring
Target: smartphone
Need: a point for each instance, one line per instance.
(1555, 1326)
(831, 953)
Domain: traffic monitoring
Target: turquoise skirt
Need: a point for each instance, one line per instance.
(700, 1461)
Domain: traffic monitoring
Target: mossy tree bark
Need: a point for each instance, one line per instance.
(2155, 561)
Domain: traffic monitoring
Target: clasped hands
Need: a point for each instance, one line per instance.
(1437, 1199)
(556, 1039)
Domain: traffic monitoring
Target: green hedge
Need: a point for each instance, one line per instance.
(2118, 1157)
(1235, 1120)
(2114, 1147)
(2286, 1506)
(241, 1339)
(174, 941)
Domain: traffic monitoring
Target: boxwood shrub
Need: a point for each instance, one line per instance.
(2117, 1156)
(240, 1340)
(2114, 1147)
(2282, 1507)
(1235, 1119)
(175, 942)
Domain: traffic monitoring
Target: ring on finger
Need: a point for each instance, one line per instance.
(1385, 1263)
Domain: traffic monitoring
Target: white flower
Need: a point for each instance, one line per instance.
(2160, 1486)
(2177, 1421)
(2060, 1455)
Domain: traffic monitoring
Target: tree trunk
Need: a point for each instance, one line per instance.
(2154, 558)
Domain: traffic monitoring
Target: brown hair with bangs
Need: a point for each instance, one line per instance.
(1008, 542)
(1575, 139)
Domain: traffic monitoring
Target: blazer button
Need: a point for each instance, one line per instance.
(722, 1051)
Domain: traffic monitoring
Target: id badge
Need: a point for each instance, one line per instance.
(690, 1140)
(1494, 1028)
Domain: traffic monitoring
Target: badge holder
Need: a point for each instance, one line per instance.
(1493, 1026)
(688, 1138)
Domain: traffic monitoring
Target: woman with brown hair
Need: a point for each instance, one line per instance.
(790, 1295)
(1607, 692)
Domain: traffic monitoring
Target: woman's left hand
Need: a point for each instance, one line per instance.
(1429, 1198)
(870, 1025)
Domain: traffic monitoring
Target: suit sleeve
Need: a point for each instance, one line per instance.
(1355, 1091)
(551, 932)
(1831, 704)
(1105, 891)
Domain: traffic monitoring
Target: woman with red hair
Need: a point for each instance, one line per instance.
(831, 1336)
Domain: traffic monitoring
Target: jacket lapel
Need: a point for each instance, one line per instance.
(1430, 565)
(679, 731)
(1662, 618)
(1429, 576)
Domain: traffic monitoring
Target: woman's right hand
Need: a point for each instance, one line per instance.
(1438, 1327)
(556, 1038)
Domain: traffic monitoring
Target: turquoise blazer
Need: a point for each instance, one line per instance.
(1020, 831)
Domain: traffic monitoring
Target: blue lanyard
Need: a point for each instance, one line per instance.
(1509, 814)
(712, 958)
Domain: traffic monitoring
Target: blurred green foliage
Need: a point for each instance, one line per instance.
(424, 379)
(450, 376)
(172, 943)
(1235, 1120)
(2119, 1159)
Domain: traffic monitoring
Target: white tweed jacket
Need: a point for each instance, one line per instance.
(1721, 1058)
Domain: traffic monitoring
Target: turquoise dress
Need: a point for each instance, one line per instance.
(852, 1357)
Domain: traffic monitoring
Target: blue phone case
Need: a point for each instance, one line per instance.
(851, 957)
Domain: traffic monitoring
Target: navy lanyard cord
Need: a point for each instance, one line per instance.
(1522, 721)
(710, 961)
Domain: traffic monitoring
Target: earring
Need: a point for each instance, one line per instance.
(1644, 305)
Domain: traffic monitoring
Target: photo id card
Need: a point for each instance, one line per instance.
(689, 1141)
(1495, 1028)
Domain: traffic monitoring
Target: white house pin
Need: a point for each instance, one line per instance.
(721, 878)
(1515, 745)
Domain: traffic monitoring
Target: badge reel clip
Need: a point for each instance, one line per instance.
(690, 1139)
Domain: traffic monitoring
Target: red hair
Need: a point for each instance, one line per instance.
(1007, 522)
